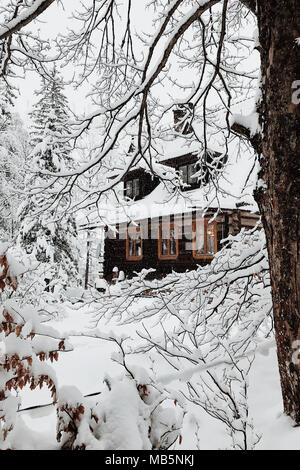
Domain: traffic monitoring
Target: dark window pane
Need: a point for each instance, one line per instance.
(190, 172)
(128, 188)
(131, 247)
(172, 242)
(134, 242)
(184, 173)
(168, 241)
(132, 188)
(164, 247)
(210, 239)
(138, 247)
(199, 238)
(136, 187)
(138, 243)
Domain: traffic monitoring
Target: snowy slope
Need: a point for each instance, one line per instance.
(86, 366)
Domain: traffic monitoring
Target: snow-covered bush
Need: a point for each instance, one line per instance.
(129, 415)
(26, 344)
(33, 286)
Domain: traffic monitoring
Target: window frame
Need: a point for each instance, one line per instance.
(132, 194)
(169, 256)
(188, 173)
(134, 257)
(204, 255)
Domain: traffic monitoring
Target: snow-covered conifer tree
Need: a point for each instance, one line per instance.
(50, 125)
(49, 235)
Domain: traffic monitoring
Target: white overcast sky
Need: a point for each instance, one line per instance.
(53, 21)
(56, 20)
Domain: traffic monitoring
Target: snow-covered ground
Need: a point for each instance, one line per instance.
(86, 366)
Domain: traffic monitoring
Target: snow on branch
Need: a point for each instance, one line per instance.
(212, 323)
(24, 18)
(250, 124)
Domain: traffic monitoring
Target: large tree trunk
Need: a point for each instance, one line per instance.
(278, 22)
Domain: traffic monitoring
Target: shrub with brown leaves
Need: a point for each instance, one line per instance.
(25, 346)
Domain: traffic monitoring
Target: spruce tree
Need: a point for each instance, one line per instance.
(49, 234)
(50, 119)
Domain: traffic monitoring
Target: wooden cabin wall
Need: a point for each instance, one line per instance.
(228, 222)
(249, 220)
(115, 250)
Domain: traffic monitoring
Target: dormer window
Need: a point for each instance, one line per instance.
(182, 118)
(132, 188)
(186, 173)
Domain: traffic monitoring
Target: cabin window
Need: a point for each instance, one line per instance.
(186, 172)
(134, 244)
(168, 242)
(204, 239)
(132, 188)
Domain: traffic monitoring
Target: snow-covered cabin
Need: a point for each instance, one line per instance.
(167, 229)
(156, 224)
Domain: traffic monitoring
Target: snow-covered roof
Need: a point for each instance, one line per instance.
(176, 146)
(170, 147)
(234, 188)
